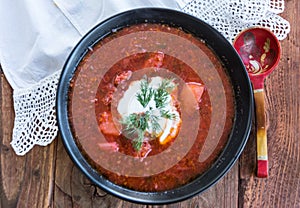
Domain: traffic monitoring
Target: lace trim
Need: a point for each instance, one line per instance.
(230, 17)
(35, 118)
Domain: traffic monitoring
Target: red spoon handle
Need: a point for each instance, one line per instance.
(261, 135)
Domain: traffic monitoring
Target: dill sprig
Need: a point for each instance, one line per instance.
(155, 126)
(146, 93)
(166, 114)
(136, 125)
(162, 93)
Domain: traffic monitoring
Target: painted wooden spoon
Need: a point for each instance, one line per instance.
(260, 52)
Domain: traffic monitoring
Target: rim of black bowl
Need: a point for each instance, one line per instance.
(235, 69)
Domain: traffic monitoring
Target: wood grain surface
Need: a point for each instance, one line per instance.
(46, 177)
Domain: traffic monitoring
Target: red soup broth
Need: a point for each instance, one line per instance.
(104, 74)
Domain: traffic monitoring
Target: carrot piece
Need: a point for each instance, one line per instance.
(107, 125)
(197, 90)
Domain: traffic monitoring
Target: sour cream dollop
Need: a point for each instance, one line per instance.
(129, 104)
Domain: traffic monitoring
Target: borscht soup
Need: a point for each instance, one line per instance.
(151, 107)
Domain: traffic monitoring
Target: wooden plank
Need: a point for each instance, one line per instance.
(25, 181)
(282, 188)
(37, 187)
(12, 167)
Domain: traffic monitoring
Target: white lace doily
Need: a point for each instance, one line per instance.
(232, 16)
(35, 121)
(35, 117)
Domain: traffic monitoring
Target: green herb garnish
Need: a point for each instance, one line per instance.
(167, 114)
(137, 125)
(162, 93)
(146, 93)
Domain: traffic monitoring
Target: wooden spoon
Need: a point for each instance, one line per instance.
(260, 51)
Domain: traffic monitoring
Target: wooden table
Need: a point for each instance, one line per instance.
(46, 177)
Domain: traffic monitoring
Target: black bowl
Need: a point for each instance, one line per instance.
(235, 70)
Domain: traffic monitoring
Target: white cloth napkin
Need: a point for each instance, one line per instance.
(37, 36)
(35, 40)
